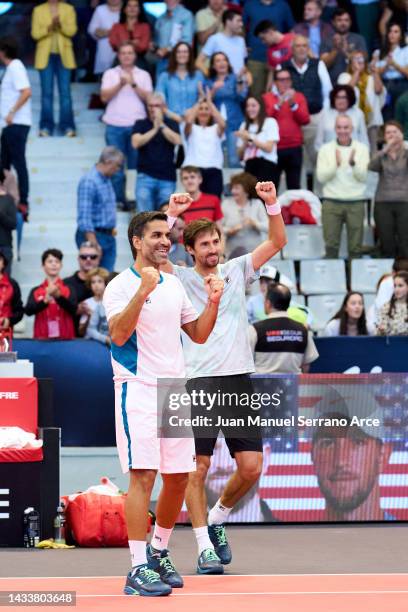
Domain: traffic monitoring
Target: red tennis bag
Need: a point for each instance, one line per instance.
(96, 520)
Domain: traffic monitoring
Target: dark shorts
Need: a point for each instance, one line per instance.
(238, 437)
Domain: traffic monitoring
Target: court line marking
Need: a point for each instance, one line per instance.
(203, 577)
(223, 594)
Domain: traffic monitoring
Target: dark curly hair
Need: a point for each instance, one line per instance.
(349, 91)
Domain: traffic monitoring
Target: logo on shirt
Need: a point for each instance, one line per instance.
(227, 279)
(148, 301)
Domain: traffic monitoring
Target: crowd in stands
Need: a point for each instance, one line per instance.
(320, 101)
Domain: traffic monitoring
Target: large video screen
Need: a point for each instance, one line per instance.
(337, 451)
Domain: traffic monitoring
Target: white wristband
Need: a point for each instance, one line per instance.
(171, 221)
(273, 209)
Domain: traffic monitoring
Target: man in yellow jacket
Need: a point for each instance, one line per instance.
(342, 170)
(53, 26)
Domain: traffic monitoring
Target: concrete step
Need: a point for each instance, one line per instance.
(65, 147)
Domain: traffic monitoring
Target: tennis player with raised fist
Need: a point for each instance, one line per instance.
(221, 367)
(146, 310)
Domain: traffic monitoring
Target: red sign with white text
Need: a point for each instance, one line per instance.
(19, 403)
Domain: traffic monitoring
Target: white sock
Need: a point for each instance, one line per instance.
(137, 552)
(218, 514)
(203, 539)
(161, 537)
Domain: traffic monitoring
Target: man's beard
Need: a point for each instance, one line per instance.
(346, 504)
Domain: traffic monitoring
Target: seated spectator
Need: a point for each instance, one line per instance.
(202, 136)
(279, 344)
(175, 25)
(208, 20)
(228, 92)
(342, 170)
(370, 93)
(385, 289)
(11, 306)
(15, 114)
(313, 28)
(96, 206)
(53, 303)
(245, 222)
(342, 102)
(88, 260)
(103, 19)
(98, 328)
(132, 27)
(335, 50)
(155, 138)
(53, 26)
(279, 47)
(391, 198)
(125, 89)
(256, 303)
(277, 11)
(8, 222)
(393, 316)
(179, 83)
(204, 204)
(96, 282)
(230, 42)
(258, 136)
(350, 320)
(289, 108)
(401, 113)
(309, 77)
(392, 64)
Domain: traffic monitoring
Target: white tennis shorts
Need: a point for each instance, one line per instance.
(136, 433)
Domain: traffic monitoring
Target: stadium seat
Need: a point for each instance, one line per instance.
(323, 276)
(323, 308)
(304, 242)
(285, 267)
(365, 273)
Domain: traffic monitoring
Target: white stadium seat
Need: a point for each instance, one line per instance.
(323, 308)
(365, 273)
(323, 276)
(304, 242)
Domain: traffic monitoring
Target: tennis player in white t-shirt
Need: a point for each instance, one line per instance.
(146, 311)
(223, 364)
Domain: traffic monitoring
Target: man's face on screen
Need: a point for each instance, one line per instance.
(347, 465)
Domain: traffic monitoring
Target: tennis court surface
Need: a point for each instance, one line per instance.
(276, 568)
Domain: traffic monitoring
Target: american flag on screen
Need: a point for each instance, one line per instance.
(289, 485)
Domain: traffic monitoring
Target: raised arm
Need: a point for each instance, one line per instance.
(276, 228)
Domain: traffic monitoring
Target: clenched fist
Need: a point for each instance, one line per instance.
(150, 278)
(266, 191)
(214, 287)
(178, 203)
